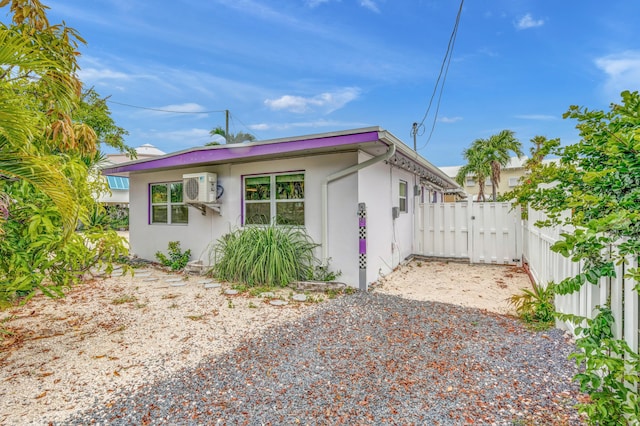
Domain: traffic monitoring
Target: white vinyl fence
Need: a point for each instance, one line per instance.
(479, 232)
(546, 266)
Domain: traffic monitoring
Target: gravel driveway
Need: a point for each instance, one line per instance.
(368, 359)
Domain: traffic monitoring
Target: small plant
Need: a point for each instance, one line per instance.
(125, 298)
(536, 307)
(174, 305)
(252, 305)
(230, 304)
(169, 296)
(322, 272)
(177, 260)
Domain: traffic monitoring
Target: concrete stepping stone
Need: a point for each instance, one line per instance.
(142, 275)
(212, 285)
(268, 294)
(278, 302)
(205, 281)
(178, 284)
(150, 279)
(174, 280)
(299, 297)
(230, 292)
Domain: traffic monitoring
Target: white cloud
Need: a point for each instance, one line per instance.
(527, 21)
(183, 108)
(306, 124)
(367, 4)
(622, 70)
(327, 102)
(314, 3)
(449, 119)
(542, 117)
(370, 4)
(95, 74)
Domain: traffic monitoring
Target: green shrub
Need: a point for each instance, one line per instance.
(321, 272)
(536, 307)
(264, 255)
(177, 260)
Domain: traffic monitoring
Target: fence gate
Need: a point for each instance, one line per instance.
(480, 232)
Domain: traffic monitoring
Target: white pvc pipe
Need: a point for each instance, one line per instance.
(325, 194)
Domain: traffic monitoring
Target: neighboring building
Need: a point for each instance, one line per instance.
(509, 177)
(119, 185)
(356, 192)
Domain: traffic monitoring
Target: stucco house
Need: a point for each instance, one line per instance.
(355, 191)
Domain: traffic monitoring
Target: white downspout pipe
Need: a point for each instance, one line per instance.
(325, 194)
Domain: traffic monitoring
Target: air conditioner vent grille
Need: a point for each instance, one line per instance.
(191, 188)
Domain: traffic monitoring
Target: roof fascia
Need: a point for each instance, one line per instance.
(225, 153)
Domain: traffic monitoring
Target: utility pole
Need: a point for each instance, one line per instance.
(226, 126)
(414, 132)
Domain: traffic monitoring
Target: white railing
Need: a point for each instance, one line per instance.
(546, 266)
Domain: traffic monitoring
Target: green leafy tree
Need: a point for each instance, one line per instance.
(92, 110)
(476, 166)
(233, 138)
(595, 190)
(46, 187)
(537, 172)
(497, 151)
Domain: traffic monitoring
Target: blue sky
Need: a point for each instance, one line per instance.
(293, 67)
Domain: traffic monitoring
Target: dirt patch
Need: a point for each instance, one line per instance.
(474, 286)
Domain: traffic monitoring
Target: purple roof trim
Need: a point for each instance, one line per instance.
(232, 152)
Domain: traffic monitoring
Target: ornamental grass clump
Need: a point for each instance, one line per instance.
(264, 256)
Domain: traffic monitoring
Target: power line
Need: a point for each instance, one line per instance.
(444, 69)
(235, 118)
(164, 110)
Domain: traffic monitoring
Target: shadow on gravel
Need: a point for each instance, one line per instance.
(369, 359)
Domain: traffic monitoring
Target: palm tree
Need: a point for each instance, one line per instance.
(497, 151)
(233, 138)
(476, 166)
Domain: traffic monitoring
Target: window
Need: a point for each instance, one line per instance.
(402, 199)
(487, 182)
(167, 205)
(470, 182)
(274, 198)
(118, 182)
(513, 181)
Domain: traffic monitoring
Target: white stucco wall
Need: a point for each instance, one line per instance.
(388, 241)
(146, 239)
(117, 196)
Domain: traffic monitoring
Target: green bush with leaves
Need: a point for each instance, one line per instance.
(594, 190)
(264, 255)
(49, 145)
(36, 253)
(611, 372)
(177, 260)
(536, 307)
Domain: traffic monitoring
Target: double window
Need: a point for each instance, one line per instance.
(274, 198)
(167, 204)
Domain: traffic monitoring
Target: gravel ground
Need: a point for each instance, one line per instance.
(368, 359)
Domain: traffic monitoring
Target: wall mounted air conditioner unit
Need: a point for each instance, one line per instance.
(200, 187)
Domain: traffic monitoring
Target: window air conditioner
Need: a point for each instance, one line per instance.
(199, 187)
